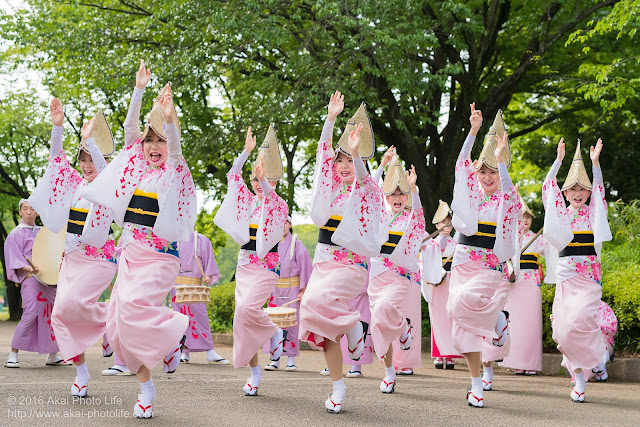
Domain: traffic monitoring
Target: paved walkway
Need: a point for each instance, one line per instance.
(199, 394)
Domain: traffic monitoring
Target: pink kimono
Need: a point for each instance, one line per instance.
(78, 319)
(140, 330)
(294, 262)
(434, 255)
(350, 220)
(242, 215)
(198, 332)
(579, 285)
(477, 290)
(34, 331)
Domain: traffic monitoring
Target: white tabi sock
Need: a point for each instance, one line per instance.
(13, 357)
(82, 373)
(213, 355)
(256, 376)
(339, 391)
(291, 360)
(356, 368)
(580, 382)
(147, 392)
(476, 386)
(389, 374)
(487, 373)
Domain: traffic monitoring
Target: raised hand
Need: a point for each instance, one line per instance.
(143, 76)
(57, 114)
(250, 141)
(475, 119)
(166, 105)
(388, 156)
(412, 178)
(502, 147)
(595, 153)
(354, 140)
(87, 129)
(259, 169)
(561, 149)
(336, 105)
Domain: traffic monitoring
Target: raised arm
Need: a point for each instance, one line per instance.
(476, 122)
(170, 127)
(594, 154)
(354, 145)
(132, 122)
(57, 117)
(505, 179)
(249, 145)
(96, 156)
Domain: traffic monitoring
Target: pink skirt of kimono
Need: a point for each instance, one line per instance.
(251, 325)
(78, 319)
(575, 327)
(387, 291)
(411, 307)
(472, 308)
(525, 325)
(441, 339)
(325, 310)
(491, 352)
(361, 305)
(140, 330)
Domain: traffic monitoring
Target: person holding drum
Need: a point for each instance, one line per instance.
(396, 269)
(256, 222)
(436, 273)
(78, 319)
(150, 192)
(33, 332)
(295, 269)
(193, 272)
(347, 207)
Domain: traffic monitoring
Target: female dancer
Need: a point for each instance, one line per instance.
(577, 232)
(149, 189)
(347, 207)
(78, 319)
(256, 222)
(486, 218)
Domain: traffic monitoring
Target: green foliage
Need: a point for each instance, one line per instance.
(221, 306)
(308, 235)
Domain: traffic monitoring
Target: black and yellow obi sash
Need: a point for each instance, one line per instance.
(484, 238)
(326, 231)
(251, 244)
(447, 265)
(581, 245)
(529, 261)
(391, 243)
(77, 218)
(143, 209)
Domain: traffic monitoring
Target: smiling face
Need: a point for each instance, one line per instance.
(27, 213)
(155, 148)
(397, 200)
(526, 221)
(577, 196)
(257, 190)
(344, 168)
(87, 167)
(488, 179)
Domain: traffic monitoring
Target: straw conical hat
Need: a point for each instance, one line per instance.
(156, 119)
(577, 172)
(442, 212)
(101, 135)
(272, 160)
(488, 156)
(396, 178)
(367, 143)
(525, 208)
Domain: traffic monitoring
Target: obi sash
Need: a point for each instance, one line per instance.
(143, 209)
(251, 244)
(484, 238)
(391, 243)
(326, 231)
(529, 261)
(581, 245)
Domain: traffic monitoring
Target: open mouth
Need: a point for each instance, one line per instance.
(489, 183)
(88, 172)
(345, 174)
(397, 205)
(155, 157)
(577, 200)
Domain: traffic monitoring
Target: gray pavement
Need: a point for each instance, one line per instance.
(199, 394)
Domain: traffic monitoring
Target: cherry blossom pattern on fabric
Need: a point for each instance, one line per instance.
(608, 323)
(346, 257)
(146, 237)
(401, 271)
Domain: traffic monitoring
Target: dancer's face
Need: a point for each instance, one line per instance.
(155, 149)
(397, 200)
(489, 179)
(27, 213)
(257, 190)
(446, 229)
(526, 221)
(344, 168)
(86, 166)
(577, 196)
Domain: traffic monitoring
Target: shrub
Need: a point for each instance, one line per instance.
(221, 307)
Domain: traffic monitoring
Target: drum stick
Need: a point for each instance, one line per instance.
(532, 240)
(447, 259)
(30, 263)
(291, 302)
(200, 265)
(435, 233)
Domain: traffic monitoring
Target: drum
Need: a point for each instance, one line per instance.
(47, 252)
(283, 317)
(192, 293)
